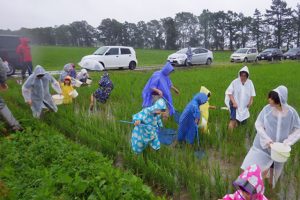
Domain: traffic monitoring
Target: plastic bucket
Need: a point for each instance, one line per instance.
(58, 99)
(88, 81)
(73, 94)
(77, 83)
(280, 152)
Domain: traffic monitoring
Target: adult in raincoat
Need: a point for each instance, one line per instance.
(4, 111)
(23, 50)
(161, 84)
(239, 97)
(36, 91)
(189, 55)
(204, 110)
(249, 185)
(146, 123)
(277, 122)
(189, 119)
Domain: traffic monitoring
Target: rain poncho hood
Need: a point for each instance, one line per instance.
(242, 94)
(23, 50)
(273, 125)
(251, 180)
(66, 72)
(82, 74)
(37, 90)
(161, 81)
(187, 127)
(204, 90)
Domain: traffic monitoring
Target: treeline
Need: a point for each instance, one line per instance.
(278, 27)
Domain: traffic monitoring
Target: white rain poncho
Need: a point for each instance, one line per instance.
(241, 94)
(273, 126)
(37, 90)
(82, 75)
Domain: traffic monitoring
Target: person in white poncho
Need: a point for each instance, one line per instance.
(277, 122)
(239, 97)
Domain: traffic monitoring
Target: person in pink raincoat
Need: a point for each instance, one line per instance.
(249, 185)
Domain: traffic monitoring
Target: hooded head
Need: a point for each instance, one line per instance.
(244, 74)
(24, 41)
(204, 90)
(251, 182)
(167, 69)
(83, 71)
(39, 71)
(200, 98)
(282, 93)
(67, 67)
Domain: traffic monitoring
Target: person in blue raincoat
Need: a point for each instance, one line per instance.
(189, 55)
(146, 123)
(189, 119)
(161, 84)
(36, 91)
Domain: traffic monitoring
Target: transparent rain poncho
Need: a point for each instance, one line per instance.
(37, 90)
(273, 126)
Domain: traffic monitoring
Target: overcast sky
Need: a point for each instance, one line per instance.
(15, 14)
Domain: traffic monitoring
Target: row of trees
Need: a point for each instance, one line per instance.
(278, 27)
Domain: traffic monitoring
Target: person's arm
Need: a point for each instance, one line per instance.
(250, 102)
(212, 107)
(158, 91)
(293, 137)
(234, 104)
(175, 89)
(265, 140)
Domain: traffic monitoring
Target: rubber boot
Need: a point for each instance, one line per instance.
(9, 118)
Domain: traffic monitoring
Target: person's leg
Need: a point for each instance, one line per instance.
(232, 123)
(29, 68)
(92, 102)
(23, 71)
(8, 117)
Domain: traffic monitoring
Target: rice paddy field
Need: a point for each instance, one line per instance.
(74, 154)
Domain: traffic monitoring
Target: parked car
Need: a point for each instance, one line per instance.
(112, 57)
(270, 54)
(200, 56)
(8, 46)
(244, 55)
(292, 54)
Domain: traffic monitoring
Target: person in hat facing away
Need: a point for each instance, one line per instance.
(277, 122)
(204, 111)
(160, 83)
(239, 98)
(249, 185)
(67, 88)
(4, 110)
(36, 92)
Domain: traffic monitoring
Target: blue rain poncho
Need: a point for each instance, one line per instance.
(187, 127)
(36, 90)
(273, 125)
(67, 70)
(161, 81)
(144, 135)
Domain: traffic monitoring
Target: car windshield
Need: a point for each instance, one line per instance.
(182, 51)
(293, 50)
(100, 51)
(241, 51)
(268, 50)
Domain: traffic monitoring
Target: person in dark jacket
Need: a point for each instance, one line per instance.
(23, 50)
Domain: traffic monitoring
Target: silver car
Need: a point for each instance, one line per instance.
(200, 56)
(244, 55)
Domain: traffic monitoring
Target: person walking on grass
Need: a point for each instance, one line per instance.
(277, 122)
(36, 91)
(161, 84)
(146, 124)
(4, 110)
(239, 98)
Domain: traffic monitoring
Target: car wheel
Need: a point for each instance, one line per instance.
(185, 62)
(10, 70)
(245, 60)
(272, 59)
(208, 61)
(280, 58)
(256, 60)
(132, 65)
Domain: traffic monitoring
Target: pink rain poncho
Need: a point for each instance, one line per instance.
(251, 181)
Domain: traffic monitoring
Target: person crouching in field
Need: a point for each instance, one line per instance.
(103, 92)
(67, 88)
(146, 123)
(239, 97)
(36, 92)
(204, 111)
(189, 119)
(82, 76)
(249, 185)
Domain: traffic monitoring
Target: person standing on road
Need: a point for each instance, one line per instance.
(23, 50)
(4, 111)
(189, 55)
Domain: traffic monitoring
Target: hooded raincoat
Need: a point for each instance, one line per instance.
(241, 94)
(82, 75)
(273, 126)
(143, 135)
(161, 81)
(187, 127)
(66, 90)
(204, 110)
(66, 72)
(105, 88)
(37, 90)
(250, 179)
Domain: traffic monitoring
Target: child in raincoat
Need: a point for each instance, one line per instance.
(189, 119)
(146, 123)
(204, 111)
(67, 88)
(249, 185)
(82, 76)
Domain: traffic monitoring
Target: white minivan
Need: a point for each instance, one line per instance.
(244, 55)
(111, 57)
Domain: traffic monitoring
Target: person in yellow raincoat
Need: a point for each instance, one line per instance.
(204, 110)
(67, 88)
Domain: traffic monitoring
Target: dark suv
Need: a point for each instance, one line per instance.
(8, 46)
(270, 54)
(292, 54)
